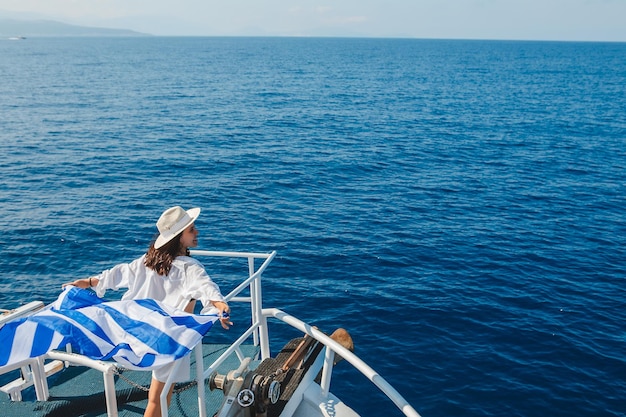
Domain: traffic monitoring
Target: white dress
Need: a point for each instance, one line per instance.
(186, 280)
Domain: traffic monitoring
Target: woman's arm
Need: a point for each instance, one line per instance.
(114, 278)
(201, 287)
(83, 282)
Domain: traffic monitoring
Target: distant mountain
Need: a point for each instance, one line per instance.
(34, 28)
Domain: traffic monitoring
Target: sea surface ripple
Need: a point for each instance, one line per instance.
(458, 206)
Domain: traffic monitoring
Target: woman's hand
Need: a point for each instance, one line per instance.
(224, 313)
(82, 283)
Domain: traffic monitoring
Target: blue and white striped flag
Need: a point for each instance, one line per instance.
(138, 334)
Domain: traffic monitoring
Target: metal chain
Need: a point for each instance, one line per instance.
(185, 387)
(118, 370)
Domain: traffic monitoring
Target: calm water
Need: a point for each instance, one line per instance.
(458, 206)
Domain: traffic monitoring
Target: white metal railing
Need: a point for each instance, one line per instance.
(253, 282)
(22, 311)
(108, 370)
(332, 348)
(32, 371)
(257, 330)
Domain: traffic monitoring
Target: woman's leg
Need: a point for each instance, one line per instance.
(154, 395)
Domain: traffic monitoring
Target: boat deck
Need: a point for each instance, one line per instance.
(79, 391)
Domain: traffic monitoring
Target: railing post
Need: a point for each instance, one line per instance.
(39, 379)
(109, 393)
(200, 380)
(261, 337)
(255, 308)
(265, 341)
(327, 370)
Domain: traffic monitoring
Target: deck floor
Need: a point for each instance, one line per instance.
(79, 391)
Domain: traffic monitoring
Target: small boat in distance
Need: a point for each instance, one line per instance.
(236, 378)
(17, 38)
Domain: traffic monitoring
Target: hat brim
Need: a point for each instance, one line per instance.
(193, 213)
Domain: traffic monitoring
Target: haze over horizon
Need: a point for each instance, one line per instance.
(573, 20)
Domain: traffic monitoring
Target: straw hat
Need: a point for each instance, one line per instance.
(172, 222)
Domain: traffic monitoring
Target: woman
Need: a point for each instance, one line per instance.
(166, 273)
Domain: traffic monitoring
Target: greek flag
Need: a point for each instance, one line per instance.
(138, 334)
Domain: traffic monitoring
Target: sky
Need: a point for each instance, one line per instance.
(573, 20)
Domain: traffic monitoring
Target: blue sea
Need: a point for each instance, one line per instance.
(458, 206)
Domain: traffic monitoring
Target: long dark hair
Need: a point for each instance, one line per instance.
(160, 260)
